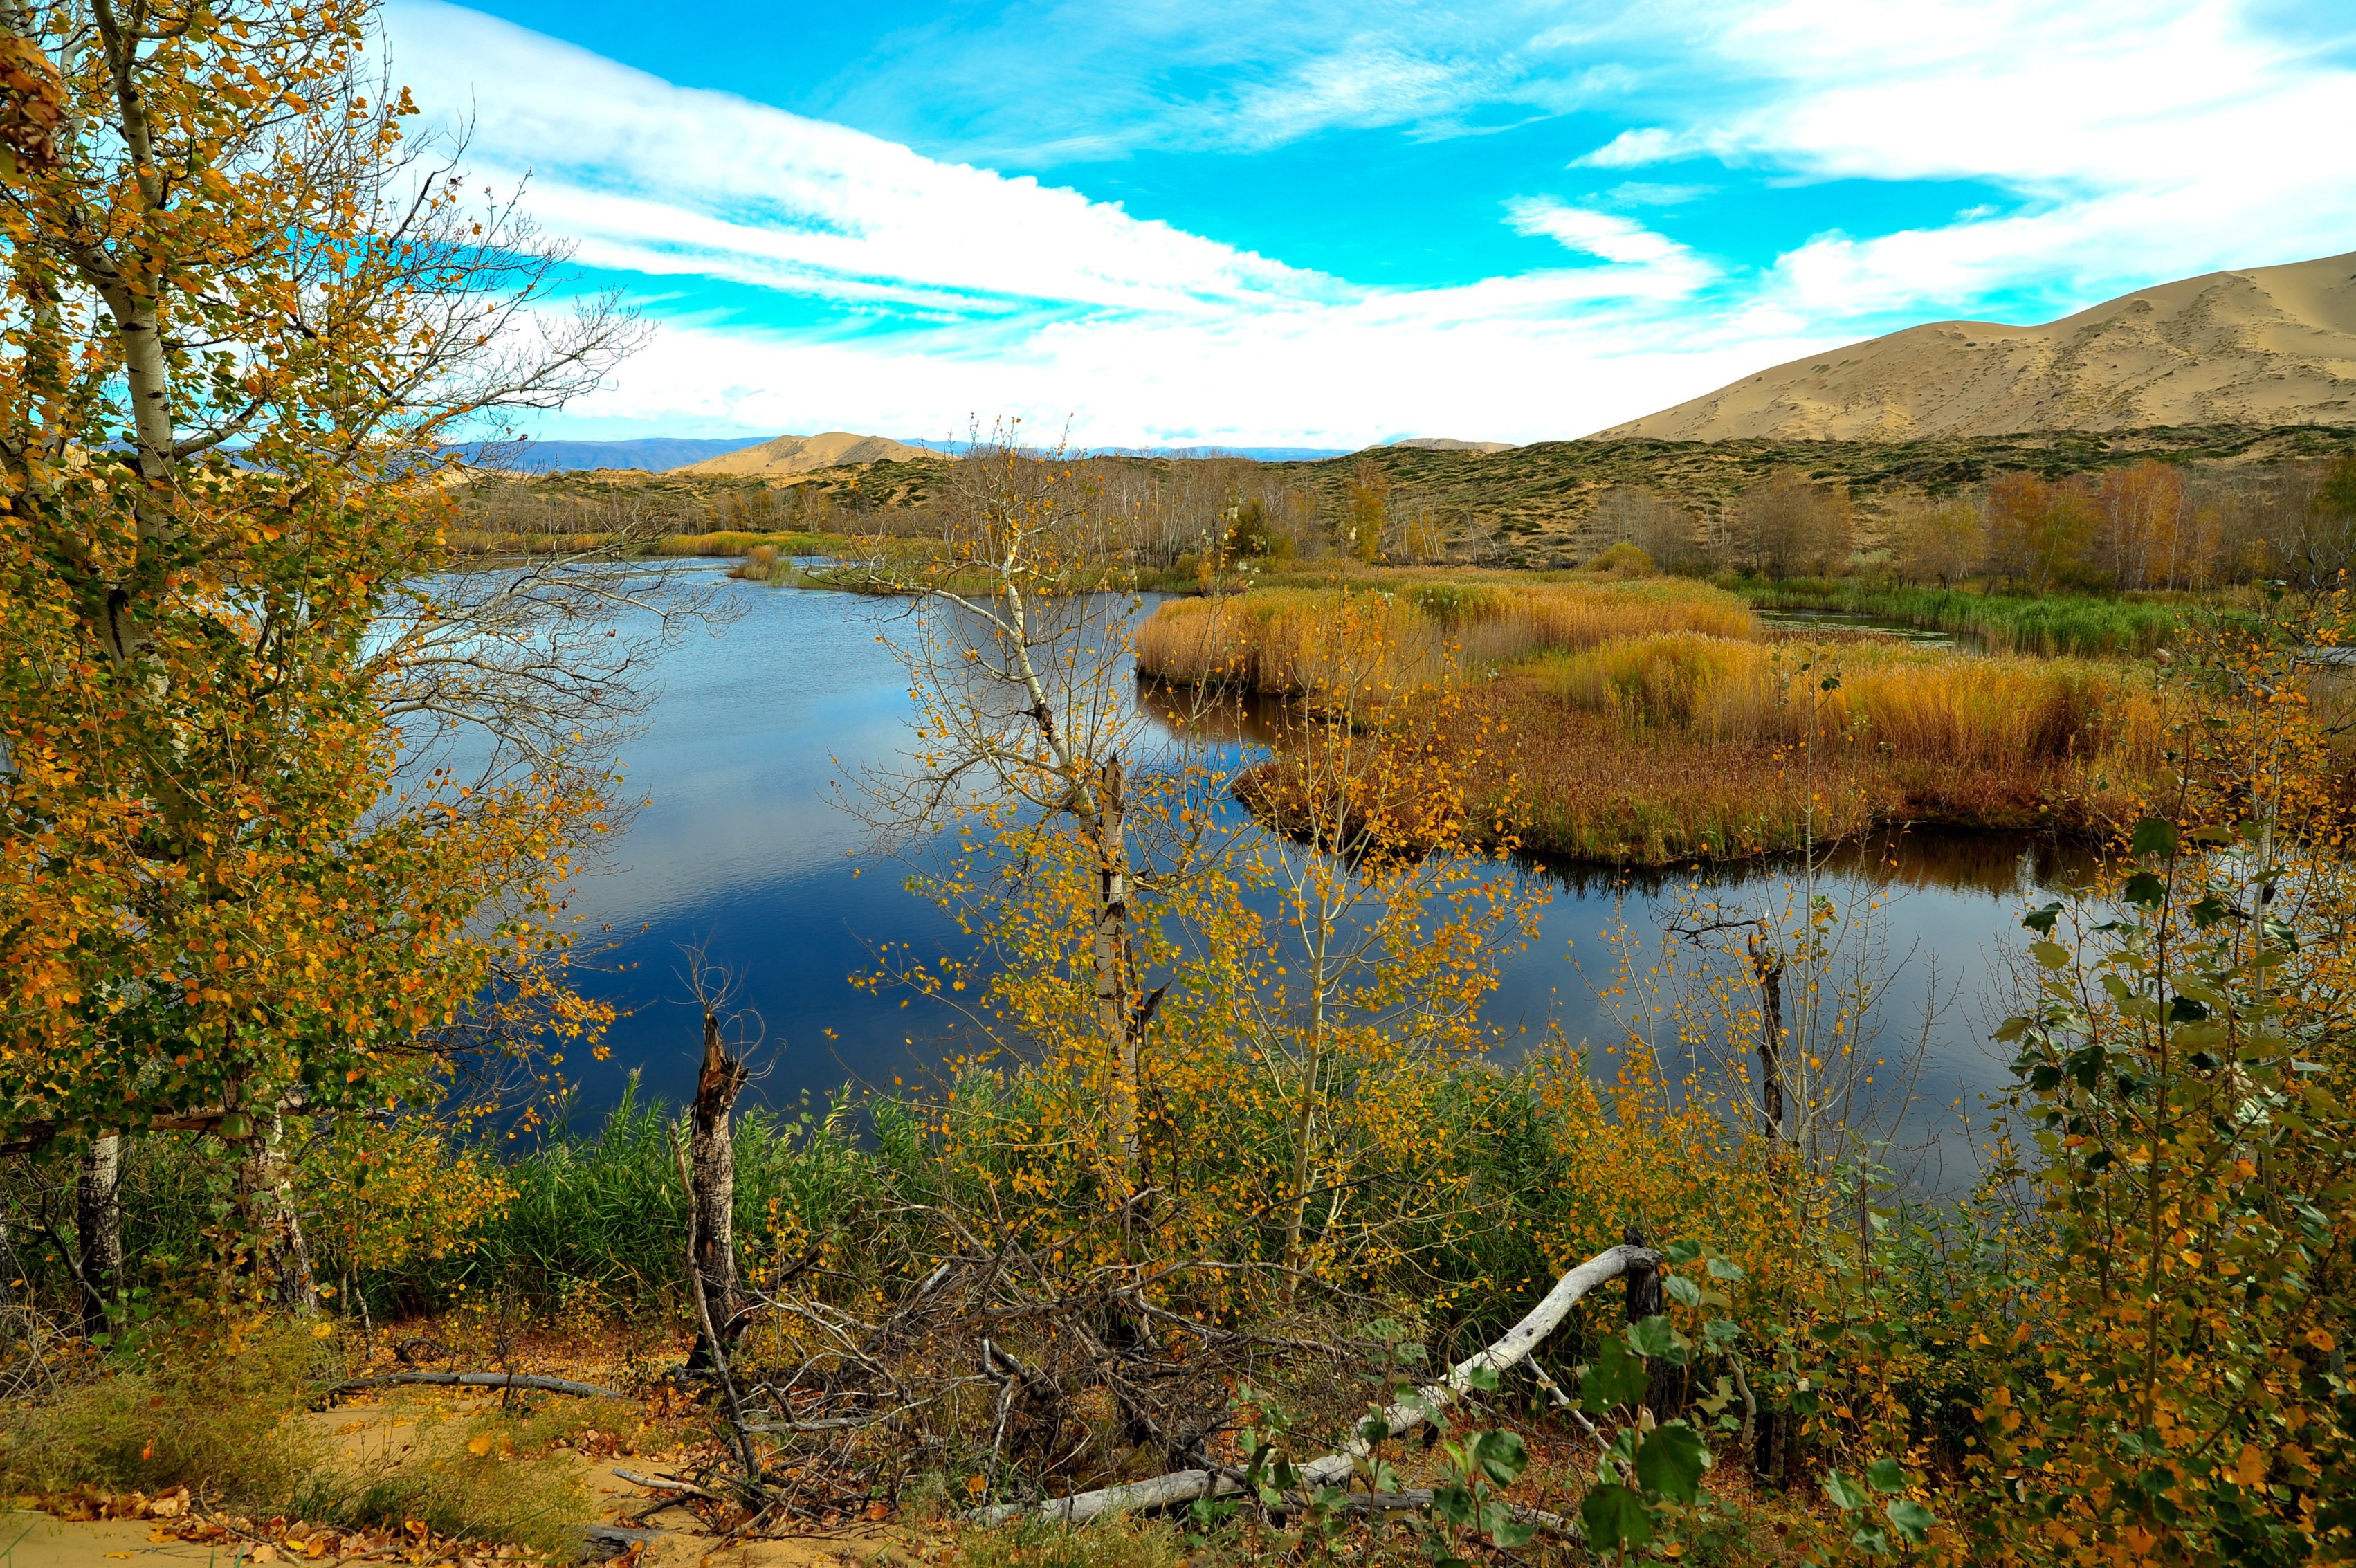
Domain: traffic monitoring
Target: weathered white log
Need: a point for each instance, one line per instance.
(1408, 1415)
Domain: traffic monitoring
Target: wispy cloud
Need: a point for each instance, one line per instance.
(2144, 139)
(1658, 265)
(983, 293)
(1062, 81)
(2188, 139)
(649, 176)
(1645, 193)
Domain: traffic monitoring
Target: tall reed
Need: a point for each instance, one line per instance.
(1281, 640)
(1663, 748)
(1892, 699)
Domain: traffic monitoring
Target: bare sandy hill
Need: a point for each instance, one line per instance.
(2266, 346)
(807, 454)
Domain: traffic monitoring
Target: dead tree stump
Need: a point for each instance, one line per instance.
(1665, 1390)
(712, 1157)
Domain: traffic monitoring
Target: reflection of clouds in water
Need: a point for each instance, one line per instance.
(721, 827)
(1935, 918)
(744, 845)
(737, 764)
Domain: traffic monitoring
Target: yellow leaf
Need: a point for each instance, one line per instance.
(2250, 1468)
(480, 1444)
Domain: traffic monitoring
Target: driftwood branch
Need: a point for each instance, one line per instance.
(485, 1380)
(666, 1484)
(1409, 1415)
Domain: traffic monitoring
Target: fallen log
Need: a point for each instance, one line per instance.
(485, 1380)
(666, 1484)
(1409, 1415)
(1420, 1499)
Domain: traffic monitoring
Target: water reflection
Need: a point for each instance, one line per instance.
(1858, 621)
(745, 844)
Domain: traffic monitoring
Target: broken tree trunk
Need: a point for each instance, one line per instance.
(1664, 1384)
(712, 1155)
(1767, 968)
(1334, 1469)
(98, 1224)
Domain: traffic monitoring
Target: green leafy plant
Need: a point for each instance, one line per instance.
(1901, 1522)
(1647, 1483)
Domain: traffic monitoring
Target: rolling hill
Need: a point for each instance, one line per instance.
(2265, 346)
(791, 454)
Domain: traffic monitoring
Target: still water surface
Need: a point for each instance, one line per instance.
(745, 845)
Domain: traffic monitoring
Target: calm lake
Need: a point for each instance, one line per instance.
(746, 846)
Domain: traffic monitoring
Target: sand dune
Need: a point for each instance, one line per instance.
(2262, 346)
(808, 454)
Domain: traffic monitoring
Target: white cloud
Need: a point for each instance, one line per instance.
(1646, 144)
(1643, 193)
(1004, 295)
(1663, 267)
(2141, 141)
(647, 176)
(2145, 138)
(1044, 81)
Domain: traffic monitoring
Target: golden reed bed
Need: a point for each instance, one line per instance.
(1650, 723)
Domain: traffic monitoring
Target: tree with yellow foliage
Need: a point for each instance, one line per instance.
(283, 815)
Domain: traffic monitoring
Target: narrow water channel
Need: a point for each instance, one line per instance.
(746, 846)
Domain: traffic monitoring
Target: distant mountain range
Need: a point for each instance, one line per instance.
(1257, 453)
(788, 455)
(653, 452)
(2266, 346)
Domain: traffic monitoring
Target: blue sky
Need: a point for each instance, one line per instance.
(1312, 223)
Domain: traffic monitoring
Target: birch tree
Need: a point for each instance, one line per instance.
(1019, 659)
(245, 301)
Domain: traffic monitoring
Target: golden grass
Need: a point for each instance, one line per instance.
(1281, 640)
(1665, 748)
(1650, 721)
(1906, 702)
(733, 542)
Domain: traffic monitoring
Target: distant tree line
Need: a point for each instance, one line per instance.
(2153, 525)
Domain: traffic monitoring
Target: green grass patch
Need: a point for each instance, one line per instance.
(2079, 624)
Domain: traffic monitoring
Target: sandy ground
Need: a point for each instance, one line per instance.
(38, 1540)
(371, 1432)
(2261, 346)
